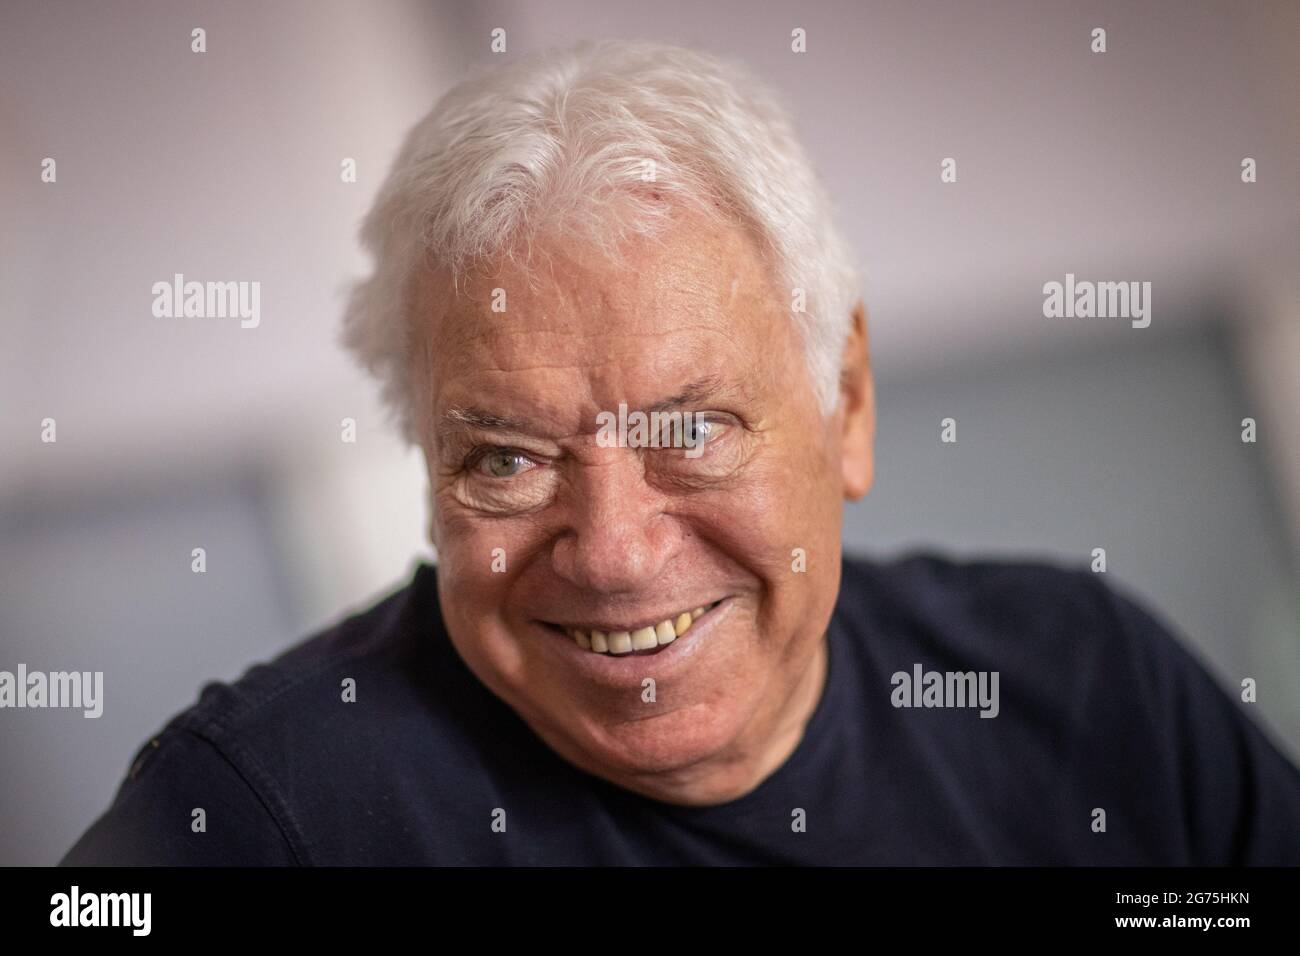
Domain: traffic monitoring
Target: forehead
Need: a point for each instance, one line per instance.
(698, 300)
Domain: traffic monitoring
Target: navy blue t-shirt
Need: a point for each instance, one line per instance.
(1099, 709)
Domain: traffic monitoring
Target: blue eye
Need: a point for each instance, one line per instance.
(502, 464)
(701, 431)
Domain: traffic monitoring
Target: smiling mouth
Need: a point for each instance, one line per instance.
(647, 639)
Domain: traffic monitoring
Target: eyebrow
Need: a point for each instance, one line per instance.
(462, 416)
(477, 418)
(692, 394)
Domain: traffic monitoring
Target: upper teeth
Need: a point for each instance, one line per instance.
(642, 639)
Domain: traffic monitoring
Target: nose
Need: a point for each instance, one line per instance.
(617, 538)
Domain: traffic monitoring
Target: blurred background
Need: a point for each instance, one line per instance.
(1073, 434)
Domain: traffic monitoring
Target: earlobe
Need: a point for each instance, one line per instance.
(857, 396)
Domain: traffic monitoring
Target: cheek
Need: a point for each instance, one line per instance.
(786, 501)
(475, 602)
(475, 561)
(784, 525)
(482, 563)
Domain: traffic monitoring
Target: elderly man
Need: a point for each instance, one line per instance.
(642, 644)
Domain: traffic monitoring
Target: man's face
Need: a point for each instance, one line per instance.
(541, 529)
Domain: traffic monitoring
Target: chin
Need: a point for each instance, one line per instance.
(664, 743)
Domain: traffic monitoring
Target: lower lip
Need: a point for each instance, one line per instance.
(671, 655)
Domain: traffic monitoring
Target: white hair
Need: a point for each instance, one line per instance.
(555, 141)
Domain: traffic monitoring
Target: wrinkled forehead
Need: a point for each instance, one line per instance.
(696, 267)
(698, 301)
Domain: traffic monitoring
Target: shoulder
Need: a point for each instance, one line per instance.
(1044, 624)
(1055, 620)
(183, 803)
(252, 753)
(944, 600)
(371, 649)
(1101, 701)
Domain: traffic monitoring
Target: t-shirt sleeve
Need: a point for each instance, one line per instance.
(152, 820)
(1241, 795)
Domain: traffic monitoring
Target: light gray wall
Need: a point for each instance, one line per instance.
(1132, 448)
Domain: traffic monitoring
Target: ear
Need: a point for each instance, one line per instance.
(858, 409)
